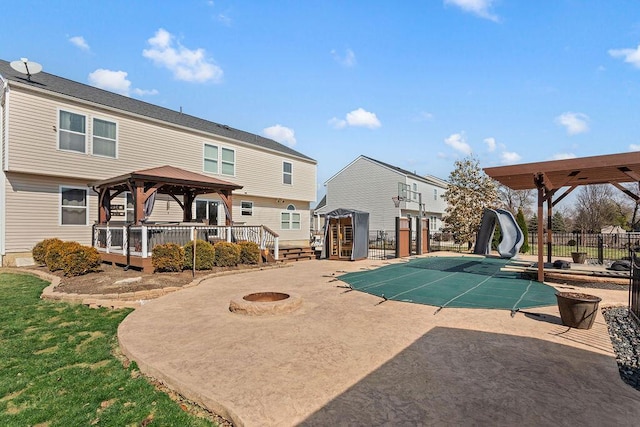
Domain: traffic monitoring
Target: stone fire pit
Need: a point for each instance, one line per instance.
(265, 303)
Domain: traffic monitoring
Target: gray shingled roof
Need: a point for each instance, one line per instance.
(404, 171)
(85, 92)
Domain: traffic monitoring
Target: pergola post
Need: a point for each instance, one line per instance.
(540, 233)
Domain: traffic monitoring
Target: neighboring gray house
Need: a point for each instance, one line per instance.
(368, 185)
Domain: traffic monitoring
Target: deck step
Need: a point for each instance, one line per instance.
(296, 254)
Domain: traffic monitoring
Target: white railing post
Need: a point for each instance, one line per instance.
(108, 239)
(228, 231)
(125, 240)
(144, 242)
(275, 248)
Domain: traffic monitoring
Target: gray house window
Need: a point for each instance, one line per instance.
(72, 130)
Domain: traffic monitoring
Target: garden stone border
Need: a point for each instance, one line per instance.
(120, 300)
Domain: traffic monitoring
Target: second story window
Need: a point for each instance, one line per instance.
(104, 138)
(435, 194)
(72, 132)
(219, 160)
(287, 173)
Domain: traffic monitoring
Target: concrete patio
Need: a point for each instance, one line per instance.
(344, 359)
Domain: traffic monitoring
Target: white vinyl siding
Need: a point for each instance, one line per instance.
(104, 138)
(72, 132)
(287, 173)
(73, 206)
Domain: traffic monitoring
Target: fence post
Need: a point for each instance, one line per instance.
(600, 249)
(144, 242)
(397, 237)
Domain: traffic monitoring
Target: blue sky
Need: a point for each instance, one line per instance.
(417, 84)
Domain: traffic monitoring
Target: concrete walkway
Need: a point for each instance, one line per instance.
(344, 359)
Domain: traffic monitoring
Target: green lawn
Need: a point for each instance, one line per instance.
(57, 367)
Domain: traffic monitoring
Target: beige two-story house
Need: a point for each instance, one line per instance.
(58, 135)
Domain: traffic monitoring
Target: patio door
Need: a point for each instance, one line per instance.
(207, 210)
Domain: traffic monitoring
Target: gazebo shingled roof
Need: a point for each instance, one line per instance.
(165, 180)
(550, 176)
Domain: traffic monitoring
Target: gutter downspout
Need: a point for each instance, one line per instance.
(4, 139)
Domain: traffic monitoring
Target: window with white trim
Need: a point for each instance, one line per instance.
(73, 206)
(414, 194)
(104, 138)
(219, 160)
(72, 130)
(246, 208)
(435, 194)
(290, 220)
(287, 173)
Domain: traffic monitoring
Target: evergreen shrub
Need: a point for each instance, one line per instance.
(205, 255)
(81, 260)
(227, 254)
(54, 260)
(249, 253)
(167, 257)
(39, 251)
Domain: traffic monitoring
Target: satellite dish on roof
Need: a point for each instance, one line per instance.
(27, 67)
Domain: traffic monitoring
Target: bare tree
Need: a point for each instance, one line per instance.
(595, 208)
(513, 200)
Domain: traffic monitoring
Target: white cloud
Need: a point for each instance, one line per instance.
(509, 157)
(563, 156)
(80, 42)
(634, 147)
(114, 81)
(425, 116)
(144, 92)
(282, 134)
(480, 8)
(224, 19)
(458, 143)
(491, 144)
(359, 118)
(574, 123)
(348, 60)
(185, 64)
(632, 56)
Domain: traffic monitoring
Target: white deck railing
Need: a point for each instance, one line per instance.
(139, 240)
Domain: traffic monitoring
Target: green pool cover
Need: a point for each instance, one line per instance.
(467, 282)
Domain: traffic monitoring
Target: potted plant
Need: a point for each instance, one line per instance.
(577, 256)
(577, 310)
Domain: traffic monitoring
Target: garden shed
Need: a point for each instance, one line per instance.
(346, 235)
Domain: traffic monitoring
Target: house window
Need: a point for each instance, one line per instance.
(73, 206)
(72, 132)
(290, 220)
(104, 138)
(435, 194)
(210, 158)
(414, 194)
(246, 208)
(287, 173)
(228, 162)
(214, 156)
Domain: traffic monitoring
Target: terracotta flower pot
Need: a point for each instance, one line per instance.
(577, 310)
(579, 257)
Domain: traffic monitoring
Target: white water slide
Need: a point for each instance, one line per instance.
(512, 237)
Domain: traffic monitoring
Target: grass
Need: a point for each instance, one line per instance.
(57, 366)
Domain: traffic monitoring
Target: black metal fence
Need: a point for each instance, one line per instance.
(382, 244)
(597, 247)
(445, 242)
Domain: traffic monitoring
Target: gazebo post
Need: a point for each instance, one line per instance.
(187, 212)
(540, 233)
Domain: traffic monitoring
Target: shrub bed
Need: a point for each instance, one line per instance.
(54, 259)
(39, 251)
(81, 260)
